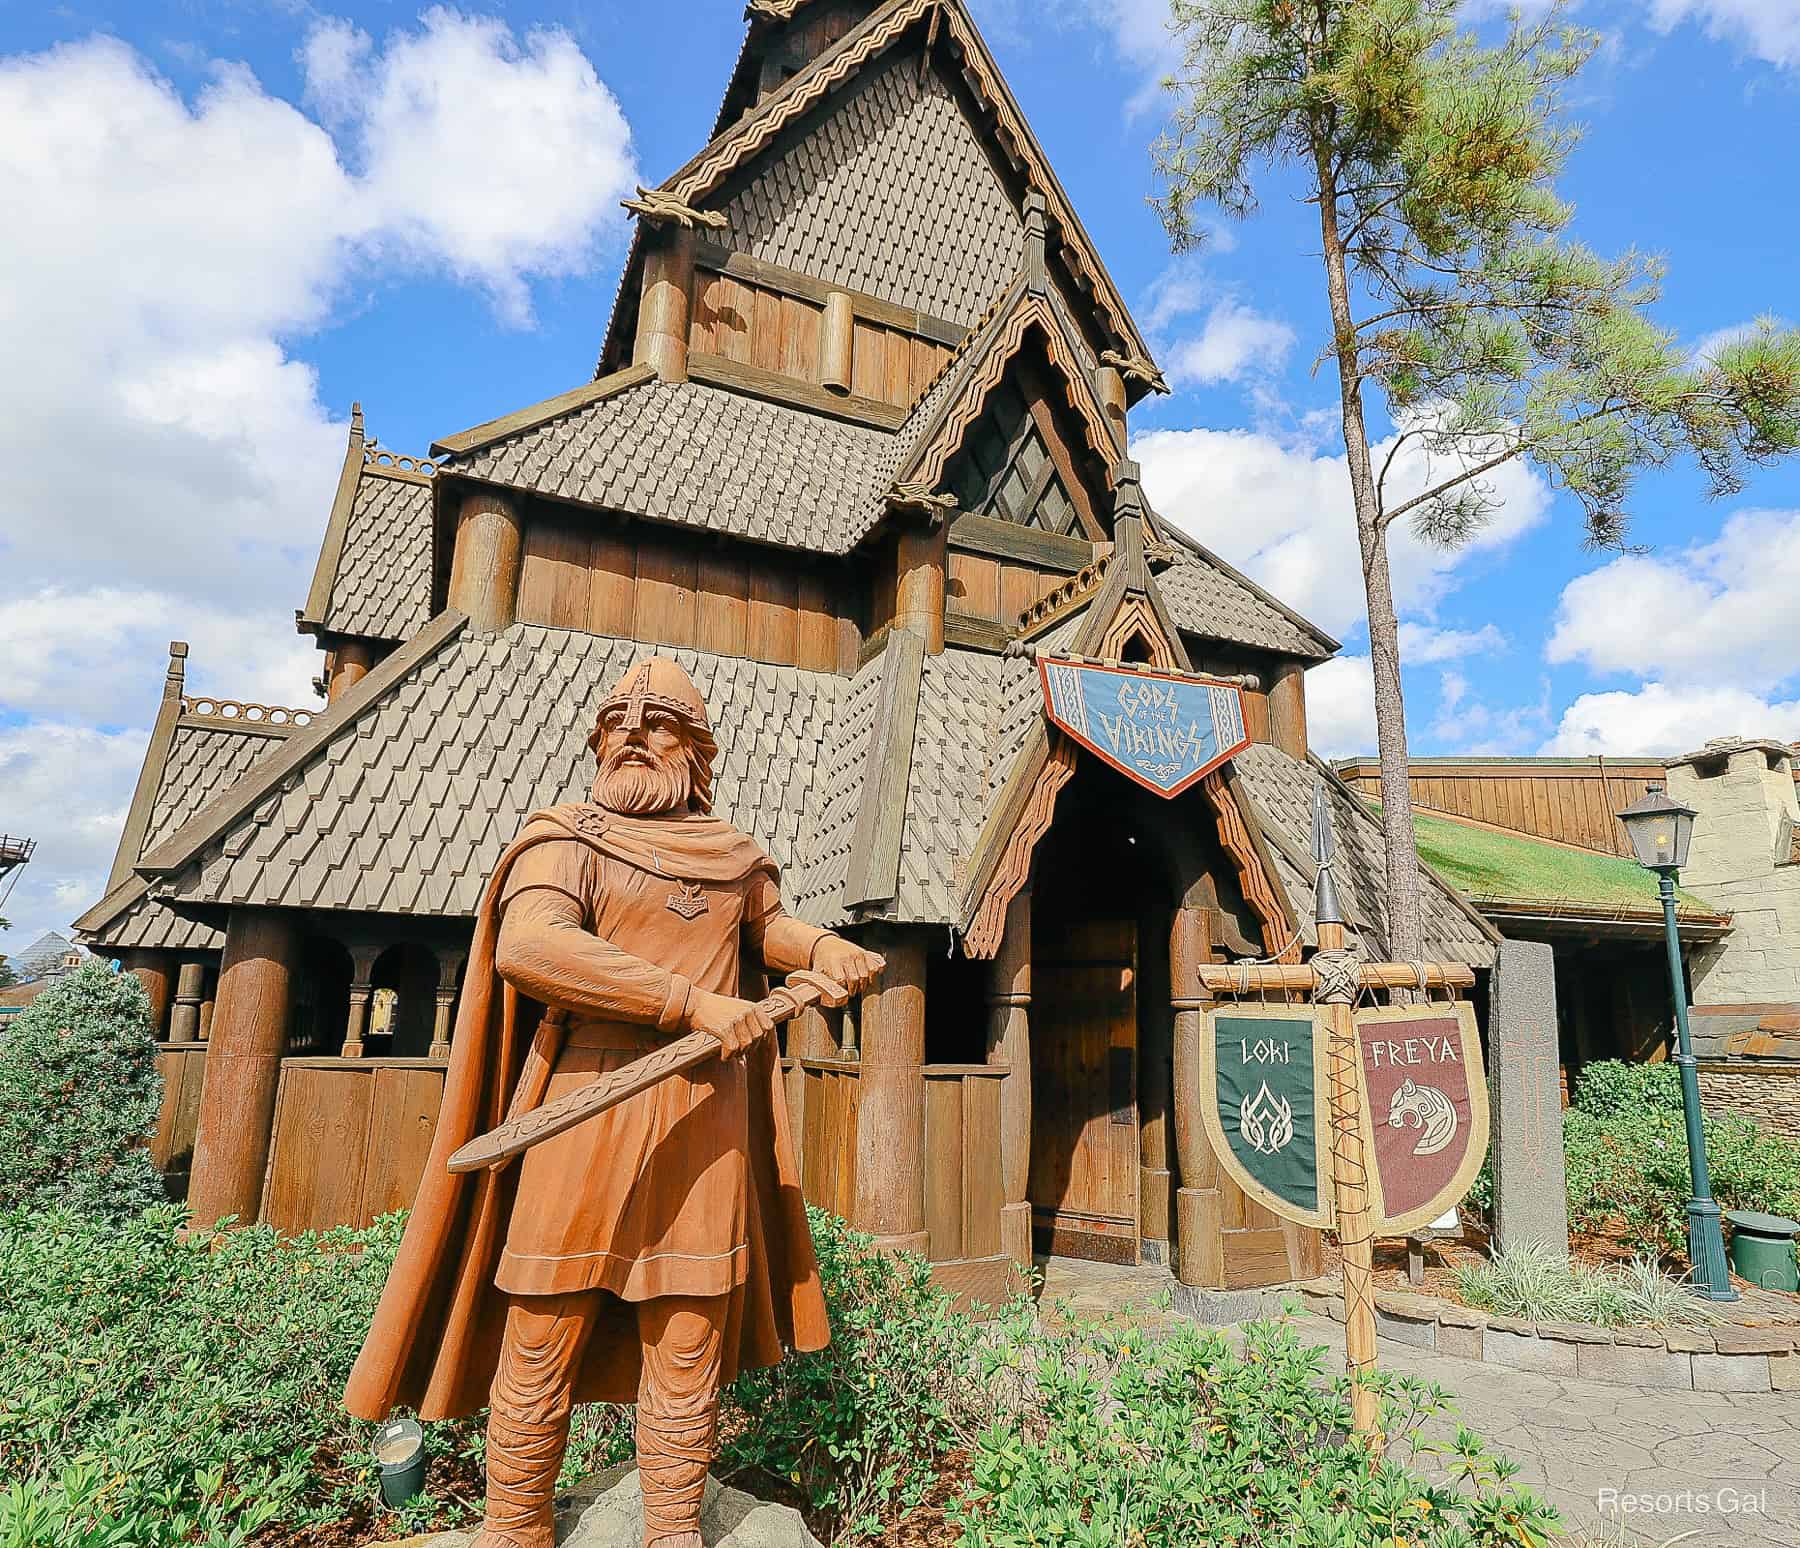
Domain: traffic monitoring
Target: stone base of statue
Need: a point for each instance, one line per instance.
(608, 1512)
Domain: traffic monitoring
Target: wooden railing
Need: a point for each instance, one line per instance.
(962, 1160)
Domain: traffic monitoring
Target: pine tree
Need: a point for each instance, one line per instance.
(1455, 296)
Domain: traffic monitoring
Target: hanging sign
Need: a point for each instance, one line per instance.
(1425, 1105)
(1163, 730)
(1263, 1105)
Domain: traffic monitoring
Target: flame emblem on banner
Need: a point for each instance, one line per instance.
(1266, 1121)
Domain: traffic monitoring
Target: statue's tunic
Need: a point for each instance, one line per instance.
(650, 1197)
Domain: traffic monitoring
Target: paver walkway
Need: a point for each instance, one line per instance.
(1724, 1467)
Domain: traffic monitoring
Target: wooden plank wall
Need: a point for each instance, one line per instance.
(828, 1143)
(733, 599)
(351, 1139)
(1571, 804)
(183, 1069)
(995, 590)
(963, 1192)
(759, 325)
(1223, 662)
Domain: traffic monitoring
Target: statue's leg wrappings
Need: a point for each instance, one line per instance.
(528, 1424)
(678, 1412)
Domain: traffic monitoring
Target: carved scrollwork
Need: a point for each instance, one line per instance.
(377, 455)
(236, 711)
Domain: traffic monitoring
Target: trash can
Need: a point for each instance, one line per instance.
(1762, 1249)
(400, 1460)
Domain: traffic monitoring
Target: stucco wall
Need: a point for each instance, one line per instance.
(1732, 865)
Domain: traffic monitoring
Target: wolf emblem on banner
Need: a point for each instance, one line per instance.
(1425, 1106)
(1262, 1082)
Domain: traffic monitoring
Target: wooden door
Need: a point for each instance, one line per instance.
(1084, 1141)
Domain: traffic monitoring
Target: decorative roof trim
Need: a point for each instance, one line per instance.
(563, 404)
(873, 875)
(1004, 339)
(209, 714)
(229, 805)
(311, 618)
(378, 459)
(150, 776)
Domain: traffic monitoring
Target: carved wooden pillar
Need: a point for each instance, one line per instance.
(1112, 399)
(362, 971)
(1199, 1225)
(1009, 1043)
(190, 989)
(350, 663)
(243, 1065)
(448, 962)
(484, 570)
(1287, 709)
(837, 342)
(206, 1016)
(152, 970)
(919, 597)
(890, 1125)
(666, 303)
(1156, 1093)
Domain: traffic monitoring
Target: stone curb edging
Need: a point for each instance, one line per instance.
(1727, 1358)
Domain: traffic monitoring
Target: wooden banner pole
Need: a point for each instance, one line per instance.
(1336, 996)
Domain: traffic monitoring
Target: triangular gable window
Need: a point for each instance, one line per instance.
(1019, 461)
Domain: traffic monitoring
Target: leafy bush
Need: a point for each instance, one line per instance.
(1538, 1285)
(79, 1091)
(1613, 1088)
(857, 1426)
(1121, 1439)
(159, 1390)
(1632, 1172)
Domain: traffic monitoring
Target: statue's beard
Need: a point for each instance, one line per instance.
(636, 788)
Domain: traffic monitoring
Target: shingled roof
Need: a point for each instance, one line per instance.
(404, 803)
(373, 578)
(1208, 598)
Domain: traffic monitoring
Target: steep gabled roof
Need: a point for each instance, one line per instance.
(373, 577)
(717, 176)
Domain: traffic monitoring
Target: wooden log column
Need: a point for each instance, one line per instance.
(919, 597)
(190, 989)
(1199, 1223)
(1111, 387)
(154, 970)
(667, 301)
(484, 571)
(837, 343)
(1009, 1044)
(1287, 709)
(350, 663)
(890, 1129)
(243, 1065)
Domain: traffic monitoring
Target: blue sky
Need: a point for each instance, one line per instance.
(231, 218)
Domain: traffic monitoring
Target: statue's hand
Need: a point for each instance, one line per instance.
(735, 1023)
(853, 966)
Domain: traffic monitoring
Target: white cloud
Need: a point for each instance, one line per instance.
(1237, 340)
(1284, 515)
(1340, 707)
(170, 462)
(1422, 643)
(1722, 610)
(1663, 719)
(1770, 29)
(1140, 32)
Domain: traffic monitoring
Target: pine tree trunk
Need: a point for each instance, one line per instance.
(1405, 922)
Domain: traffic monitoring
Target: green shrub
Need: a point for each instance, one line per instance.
(1122, 1439)
(1538, 1285)
(1615, 1088)
(79, 1092)
(858, 1426)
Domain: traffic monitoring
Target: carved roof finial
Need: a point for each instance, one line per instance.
(654, 205)
(1135, 368)
(919, 499)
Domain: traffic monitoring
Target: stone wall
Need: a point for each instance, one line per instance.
(1769, 1094)
(1742, 861)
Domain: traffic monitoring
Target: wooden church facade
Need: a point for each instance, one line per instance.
(854, 453)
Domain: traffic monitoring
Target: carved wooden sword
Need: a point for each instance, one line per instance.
(517, 1135)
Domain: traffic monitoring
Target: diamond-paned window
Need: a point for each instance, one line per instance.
(1004, 468)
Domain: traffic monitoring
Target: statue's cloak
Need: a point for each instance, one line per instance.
(435, 1341)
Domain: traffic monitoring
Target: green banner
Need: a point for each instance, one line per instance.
(1268, 1102)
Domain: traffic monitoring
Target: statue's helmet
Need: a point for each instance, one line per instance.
(659, 683)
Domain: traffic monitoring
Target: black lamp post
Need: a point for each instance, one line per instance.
(1660, 831)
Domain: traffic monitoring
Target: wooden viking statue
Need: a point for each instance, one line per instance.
(651, 1252)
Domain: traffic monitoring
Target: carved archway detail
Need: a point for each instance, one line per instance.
(1280, 937)
(1014, 869)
